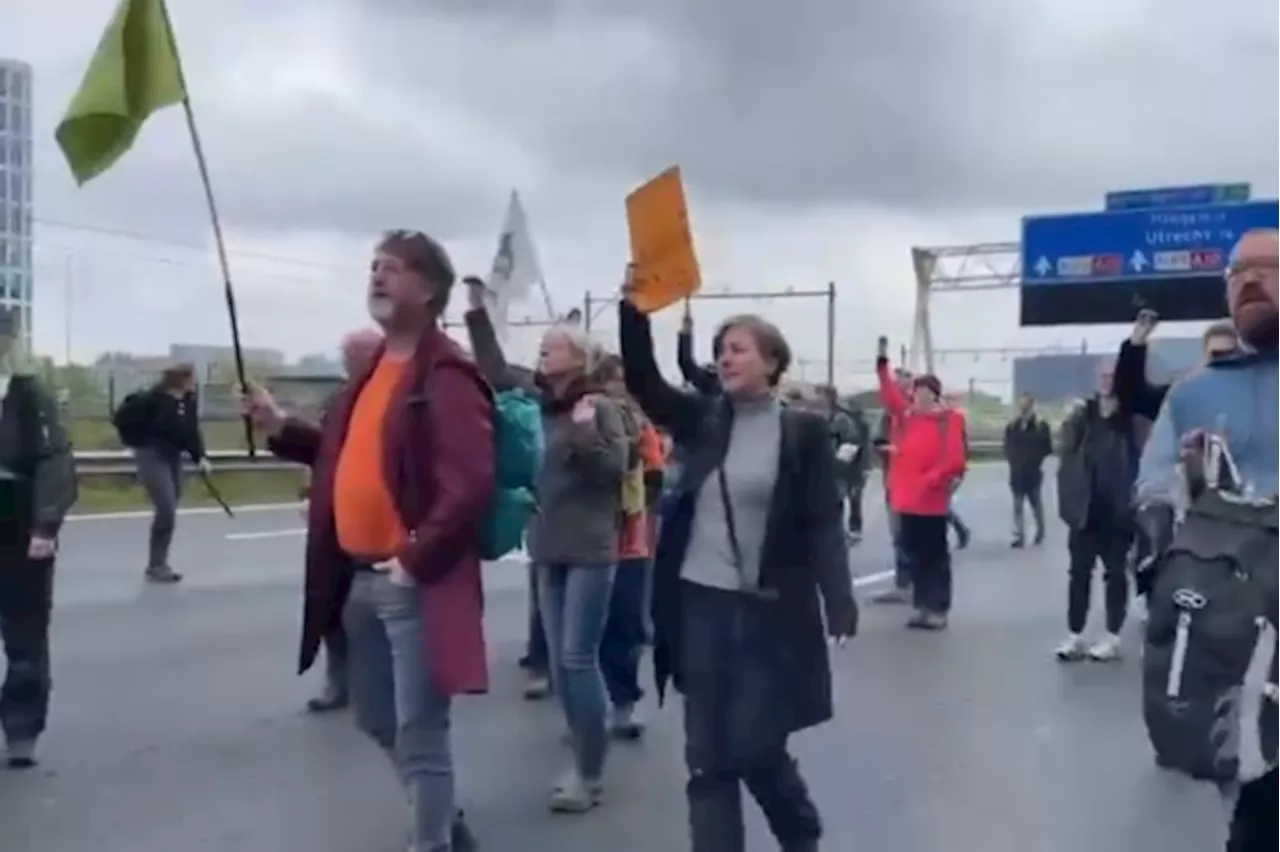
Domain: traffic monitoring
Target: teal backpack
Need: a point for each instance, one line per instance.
(517, 427)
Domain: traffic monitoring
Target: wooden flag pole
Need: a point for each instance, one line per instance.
(220, 242)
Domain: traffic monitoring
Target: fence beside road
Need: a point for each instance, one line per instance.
(120, 462)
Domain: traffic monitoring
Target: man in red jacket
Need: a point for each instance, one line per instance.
(928, 453)
(403, 475)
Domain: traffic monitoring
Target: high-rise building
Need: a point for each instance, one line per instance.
(16, 172)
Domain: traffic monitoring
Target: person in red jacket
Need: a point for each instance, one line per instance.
(927, 448)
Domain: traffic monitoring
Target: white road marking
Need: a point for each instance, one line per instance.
(871, 579)
(252, 536)
(142, 514)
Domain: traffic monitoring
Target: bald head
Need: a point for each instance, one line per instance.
(1252, 278)
(358, 348)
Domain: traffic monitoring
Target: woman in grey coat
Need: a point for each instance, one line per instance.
(751, 578)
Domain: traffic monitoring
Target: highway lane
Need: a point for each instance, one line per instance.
(177, 721)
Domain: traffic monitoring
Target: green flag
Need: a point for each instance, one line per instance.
(134, 73)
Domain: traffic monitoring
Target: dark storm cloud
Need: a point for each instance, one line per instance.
(313, 167)
(913, 105)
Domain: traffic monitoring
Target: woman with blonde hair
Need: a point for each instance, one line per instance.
(573, 538)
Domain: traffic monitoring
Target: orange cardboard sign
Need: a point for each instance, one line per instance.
(666, 266)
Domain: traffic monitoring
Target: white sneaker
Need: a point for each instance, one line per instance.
(1106, 649)
(574, 795)
(1071, 650)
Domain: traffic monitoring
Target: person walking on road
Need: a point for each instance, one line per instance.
(626, 631)
(161, 425)
(487, 350)
(37, 489)
(1234, 397)
(402, 486)
(1027, 443)
(1095, 477)
(928, 451)
(900, 593)
(851, 438)
(751, 553)
(573, 543)
(358, 351)
(573, 538)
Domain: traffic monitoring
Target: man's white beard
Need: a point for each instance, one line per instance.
(381, 310)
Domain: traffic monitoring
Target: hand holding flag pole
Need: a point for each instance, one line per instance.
(136, 72)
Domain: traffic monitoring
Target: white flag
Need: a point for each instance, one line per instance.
(515, 270)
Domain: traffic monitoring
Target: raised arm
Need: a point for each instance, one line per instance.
(1133, 392)
(487, 351)
(677, 413)
(689, 367)
(890, 394)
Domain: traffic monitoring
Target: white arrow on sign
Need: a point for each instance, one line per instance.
(1138, 261)
(1043, 266)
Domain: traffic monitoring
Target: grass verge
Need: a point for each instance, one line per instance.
(99, 435)
(122, 494)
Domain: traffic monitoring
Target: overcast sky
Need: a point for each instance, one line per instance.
(819, 139)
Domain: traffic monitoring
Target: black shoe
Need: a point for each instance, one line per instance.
(801, 846)
(1017, 544)
(1039, 539)
(21, 754)
(461, 839)
(162, 575)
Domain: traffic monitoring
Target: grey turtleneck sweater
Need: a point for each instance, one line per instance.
(751, 468)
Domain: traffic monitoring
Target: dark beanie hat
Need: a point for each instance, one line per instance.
(930, 381)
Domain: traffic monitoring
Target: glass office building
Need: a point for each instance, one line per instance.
(16, 170)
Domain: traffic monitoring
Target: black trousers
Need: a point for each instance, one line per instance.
(26, 602)
(924, 542)
(1108, 544)
(735, 724)
(853, 497)
(1253, 823)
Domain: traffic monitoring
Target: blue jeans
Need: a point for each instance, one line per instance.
(574, 600)
(626, 632)
(397, 703)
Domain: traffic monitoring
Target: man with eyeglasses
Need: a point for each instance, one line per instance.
(1236, 397)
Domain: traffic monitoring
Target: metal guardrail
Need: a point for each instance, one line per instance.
(120, 462)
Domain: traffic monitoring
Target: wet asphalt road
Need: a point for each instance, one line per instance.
(177, 723)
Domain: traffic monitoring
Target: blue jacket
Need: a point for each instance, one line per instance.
(1236, 396)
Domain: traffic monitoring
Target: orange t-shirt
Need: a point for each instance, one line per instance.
(368, 523)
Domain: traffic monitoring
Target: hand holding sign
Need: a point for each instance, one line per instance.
(665, 267)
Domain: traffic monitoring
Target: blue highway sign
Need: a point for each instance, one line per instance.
(1178, 196)
(1168, 243)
